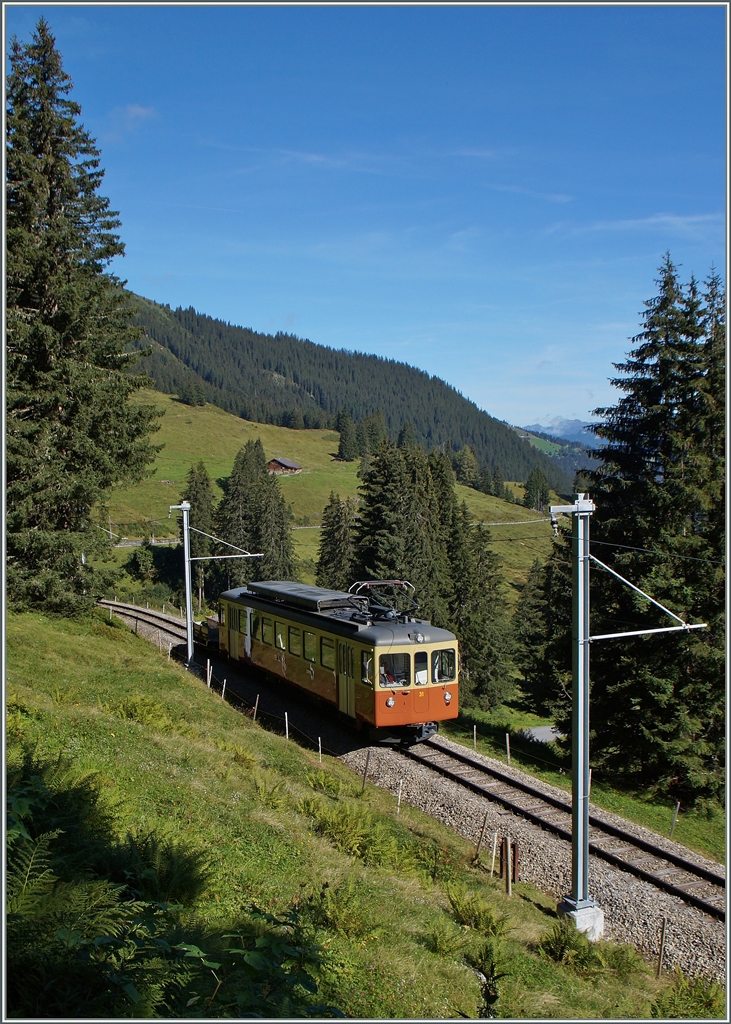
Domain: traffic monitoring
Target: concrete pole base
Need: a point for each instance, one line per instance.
(588, 918)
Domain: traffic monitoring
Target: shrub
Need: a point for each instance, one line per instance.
(270, 792)
(446, 940)
(473, 911)
(143, 709)
(345, 907)
(565, 945)
(690, 997)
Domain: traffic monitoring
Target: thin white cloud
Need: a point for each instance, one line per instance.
(126, 120)
(690, 224)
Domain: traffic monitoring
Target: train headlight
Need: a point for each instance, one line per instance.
(447, 697)
(419, 638)
(390, 701)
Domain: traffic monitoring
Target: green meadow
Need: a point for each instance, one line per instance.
(191, 433)
(160, 786)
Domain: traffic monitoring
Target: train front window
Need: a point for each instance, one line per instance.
(256, 627)
(295, 641)
(394, 670)
(310, 646)
(280, 631)
(267, 631)
(444, 666)
(421, 668)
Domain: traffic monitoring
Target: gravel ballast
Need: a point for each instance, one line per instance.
(633, 909)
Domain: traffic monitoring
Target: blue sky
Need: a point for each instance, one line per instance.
(481, 191)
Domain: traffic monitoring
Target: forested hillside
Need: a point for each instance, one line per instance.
(284, 380)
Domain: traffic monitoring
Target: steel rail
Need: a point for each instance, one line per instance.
(419, 754)
(176, 627)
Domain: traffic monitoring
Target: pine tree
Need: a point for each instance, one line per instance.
(72, 432)
(337, 546)
(530, 637)
(478, 616)
(466, 466)
(236, 515)
(658, 701)
(274, 533)
(498, 483)
(379, 535)
(348, 447)
(199, 492)
(537, 494)
(406, 437)
(425, 562)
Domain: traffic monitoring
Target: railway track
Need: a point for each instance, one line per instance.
(174, 626)
(693, 883)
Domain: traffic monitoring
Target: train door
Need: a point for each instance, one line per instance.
(346, 679)
(234, 618)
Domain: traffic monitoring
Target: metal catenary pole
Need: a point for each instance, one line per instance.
(578, 903)
(581, 510)
(184, 507)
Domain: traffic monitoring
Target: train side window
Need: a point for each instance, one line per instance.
(256, 627)
(444, 666)
(421, 668)
(366, 667)
(310, 646)
(267, 632)
(295, 641)
(223, 614)
(327, 652)
(394, 670)
(279, 635)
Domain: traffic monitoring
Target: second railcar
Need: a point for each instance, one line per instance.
(380, 667)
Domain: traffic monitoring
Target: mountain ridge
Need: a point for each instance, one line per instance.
(294, 382)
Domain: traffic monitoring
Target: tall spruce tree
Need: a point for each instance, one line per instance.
(72, 431)
(337, 544)
(466, 466)
(274, 532)
(236, 518)
(478, 615)
(348, 447)
(537, 494)
(379, 536)
(199, 492)
(657, 702)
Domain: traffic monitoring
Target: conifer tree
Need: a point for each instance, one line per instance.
(498, 483)
(529, 634)
(406, 437)
(72, 431)
(199, 492)
(236, 518)
(379, 533)
(348, 447)
(478, 615)
(425, 562)
(466, 465)
(337, 547)
(658, 701)
(274, 534)
(537, 494)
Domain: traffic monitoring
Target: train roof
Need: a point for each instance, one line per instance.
(346, 613)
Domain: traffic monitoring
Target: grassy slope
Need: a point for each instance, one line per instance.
(190, 776)
(208, 433)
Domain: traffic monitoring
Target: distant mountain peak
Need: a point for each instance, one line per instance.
(571, 430)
